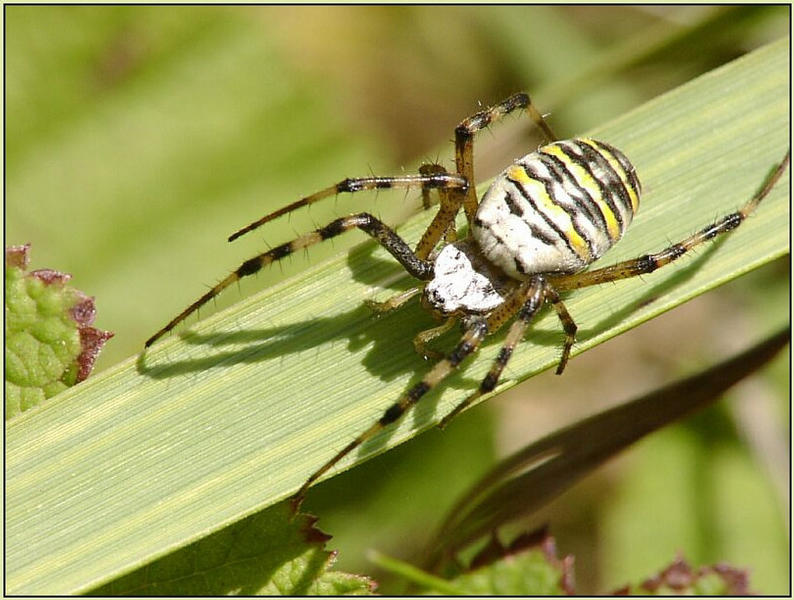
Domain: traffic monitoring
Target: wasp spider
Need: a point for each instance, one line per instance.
(543, 220)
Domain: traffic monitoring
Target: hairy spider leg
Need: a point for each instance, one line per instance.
(568, 326)
(533, 296)
(434, 180)
(393, 302)
(423, 338)
(385, 236)
(464, 140)
(429, 169)
(443, 223)
(442, 226)
(475, 332)
(648, 263)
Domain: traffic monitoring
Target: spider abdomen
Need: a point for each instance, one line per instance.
(558, 209)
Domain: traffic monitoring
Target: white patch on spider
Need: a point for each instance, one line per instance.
(463, 282)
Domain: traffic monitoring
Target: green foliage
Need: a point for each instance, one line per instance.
(530, 573)
(529, 566)
(49, 343)
(156, 131)
(265, 554)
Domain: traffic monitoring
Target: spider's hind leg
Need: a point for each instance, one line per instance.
(473, 336)
(568, 325)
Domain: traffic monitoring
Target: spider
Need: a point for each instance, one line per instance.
(533, 234)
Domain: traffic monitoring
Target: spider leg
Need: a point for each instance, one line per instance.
(464, 140)
(433, 180)
(424, 337)
(473, 336)
(393, 302)
(650, 262)
(443, 224)
(568, 325)
(429, 169)
(385, 236)
(533, 296)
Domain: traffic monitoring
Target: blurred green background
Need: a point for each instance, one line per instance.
(138, 138)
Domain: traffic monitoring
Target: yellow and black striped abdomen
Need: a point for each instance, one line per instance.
(558, 209)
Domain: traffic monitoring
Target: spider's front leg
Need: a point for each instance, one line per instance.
(396, 246)
(393, 302)
(476, 330)
(464, 139)
(430, 179)
(443, 224)
(533, 294)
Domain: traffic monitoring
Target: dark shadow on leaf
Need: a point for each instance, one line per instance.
(388, 337)
(392, 352)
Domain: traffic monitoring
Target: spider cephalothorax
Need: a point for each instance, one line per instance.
(464, 282)
(539, 226)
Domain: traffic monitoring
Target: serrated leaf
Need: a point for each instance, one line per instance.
(533, 570)
(528, 566)
(266, 554)
(528, 574)
(253, 399)
(681, 579)
(49, 342)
